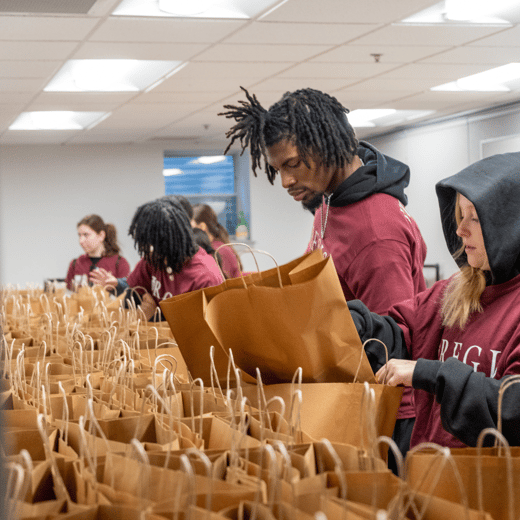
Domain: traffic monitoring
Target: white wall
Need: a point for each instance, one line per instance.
(45, 190)
(280, 225)
(437, 151)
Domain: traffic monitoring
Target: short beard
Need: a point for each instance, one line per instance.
(313, 204)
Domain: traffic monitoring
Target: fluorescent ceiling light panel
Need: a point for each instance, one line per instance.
(499, 79)
(111, 75)
(467, 12)
(210, 159)
(367, 117)
(168, 172)
(240, 9)
(57, 120)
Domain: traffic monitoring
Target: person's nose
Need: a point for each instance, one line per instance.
(288, 180)
(462, 230)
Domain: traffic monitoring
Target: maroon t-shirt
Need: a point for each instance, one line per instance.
(378, 252)
(199, 272)
(115, 264)
(230, 264)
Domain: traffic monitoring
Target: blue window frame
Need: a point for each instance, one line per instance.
(205, 180)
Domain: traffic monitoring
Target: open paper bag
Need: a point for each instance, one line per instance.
(336, 411)
(278, 320)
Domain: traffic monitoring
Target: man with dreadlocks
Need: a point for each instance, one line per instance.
(171, 261)
(355, 192)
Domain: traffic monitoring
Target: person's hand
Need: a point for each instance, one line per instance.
(148, 306)
(397, 372)
(100, 276)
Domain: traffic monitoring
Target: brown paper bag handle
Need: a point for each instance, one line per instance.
(399, 498)
(231, 244)
(509, 468)
(59, 485)
(445, 453)
(361, 357)
(64, 414)
(338, 467)
(209, 472)
(14, 488)
(253, 251)
(144, 488)
(201, 404)
(368, 412)
(503, 387)
(28, 466)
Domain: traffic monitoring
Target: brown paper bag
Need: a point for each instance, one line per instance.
(499, 491)
(302, 320)
(184, 314)
(334, 411)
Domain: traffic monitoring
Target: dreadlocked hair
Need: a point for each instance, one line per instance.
(315, 122)
(162, 234)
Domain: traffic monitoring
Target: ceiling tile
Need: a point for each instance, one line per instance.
(199, 98)
(440, 72)
(506, 38)
(353, 53)
(36, 50)
(281, 85)
(149, 116)
(385, 84)
(440, 101)
(260, 53)
(45, 28)
(229, 70)
(21, 85)
(296, 33)
(477, 55)
(139, 51)
(356, 99)
(35, 137)
(8, 113)
(28, 69)
(129, 135)
(220, 84)
(346, 12)
(15, 98)
(119, 29)
(346, 71)
(428, 36)
(84, 99)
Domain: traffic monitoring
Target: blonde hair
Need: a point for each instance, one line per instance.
(462, 294)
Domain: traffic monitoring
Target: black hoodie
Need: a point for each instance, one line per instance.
(379, 174)
(493, 186)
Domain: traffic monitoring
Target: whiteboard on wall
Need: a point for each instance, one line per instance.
(506, 144)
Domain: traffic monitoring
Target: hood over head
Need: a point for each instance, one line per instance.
(493, 186)
(379, 174)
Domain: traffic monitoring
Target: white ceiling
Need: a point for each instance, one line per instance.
(323, 44)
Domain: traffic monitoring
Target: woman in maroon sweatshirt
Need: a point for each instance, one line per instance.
(99, 241)
(458, 341)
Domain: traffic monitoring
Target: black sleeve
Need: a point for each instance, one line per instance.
(469, 400)
(370, 325)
